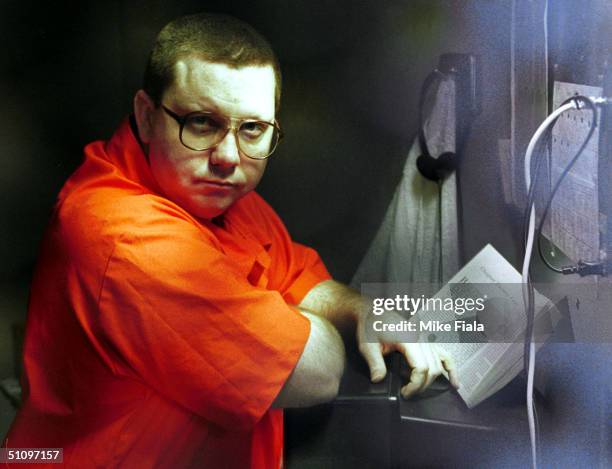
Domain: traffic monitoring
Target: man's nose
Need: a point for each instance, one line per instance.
(226, 153)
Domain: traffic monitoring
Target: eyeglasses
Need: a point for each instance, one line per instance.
(202, 130)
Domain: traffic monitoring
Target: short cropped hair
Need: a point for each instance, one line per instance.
(212, 37)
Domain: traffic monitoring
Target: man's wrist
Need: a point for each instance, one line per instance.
(338, 303)
(361, 308)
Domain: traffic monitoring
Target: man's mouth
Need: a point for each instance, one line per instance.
(216, 183)
(215, 186)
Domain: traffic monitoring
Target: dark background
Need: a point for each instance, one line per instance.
(352, 73)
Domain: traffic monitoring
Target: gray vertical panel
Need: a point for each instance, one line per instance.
(528, 81)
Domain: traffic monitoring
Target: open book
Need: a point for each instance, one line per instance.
(486, 342)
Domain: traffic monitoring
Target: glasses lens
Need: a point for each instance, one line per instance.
(257, 139)
(202, 131)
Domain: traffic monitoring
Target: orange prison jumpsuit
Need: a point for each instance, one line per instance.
(155, 339)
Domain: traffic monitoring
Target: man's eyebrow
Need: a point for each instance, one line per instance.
(208, 105)
(217, 112)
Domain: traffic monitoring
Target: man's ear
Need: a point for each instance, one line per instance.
(143, 112)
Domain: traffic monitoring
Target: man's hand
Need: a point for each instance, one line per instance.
(427, 361)
(344, 307)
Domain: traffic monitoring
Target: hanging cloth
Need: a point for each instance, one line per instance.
(418, 240)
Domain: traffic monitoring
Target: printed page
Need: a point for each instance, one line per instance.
(485, 366)
(477, 363)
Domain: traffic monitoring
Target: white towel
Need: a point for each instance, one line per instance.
(410, 245)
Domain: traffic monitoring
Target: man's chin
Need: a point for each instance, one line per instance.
(208, 211)
(208, 206)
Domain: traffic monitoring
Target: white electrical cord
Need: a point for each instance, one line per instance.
(525, 273)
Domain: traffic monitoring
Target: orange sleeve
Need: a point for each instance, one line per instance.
(178, 314)
(306, 270)
(297, 268)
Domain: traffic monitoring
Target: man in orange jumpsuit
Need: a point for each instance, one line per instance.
(171, 315)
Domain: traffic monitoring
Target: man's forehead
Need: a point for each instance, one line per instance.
(243, 91)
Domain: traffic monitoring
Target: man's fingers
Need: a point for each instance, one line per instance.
(418, 379)
(386, 349)
(420, 369)
(372, 353)
(434, 365)
(427, 362)
(449, 365)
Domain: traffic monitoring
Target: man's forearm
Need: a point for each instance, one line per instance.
(345, 308)
(336, 302)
